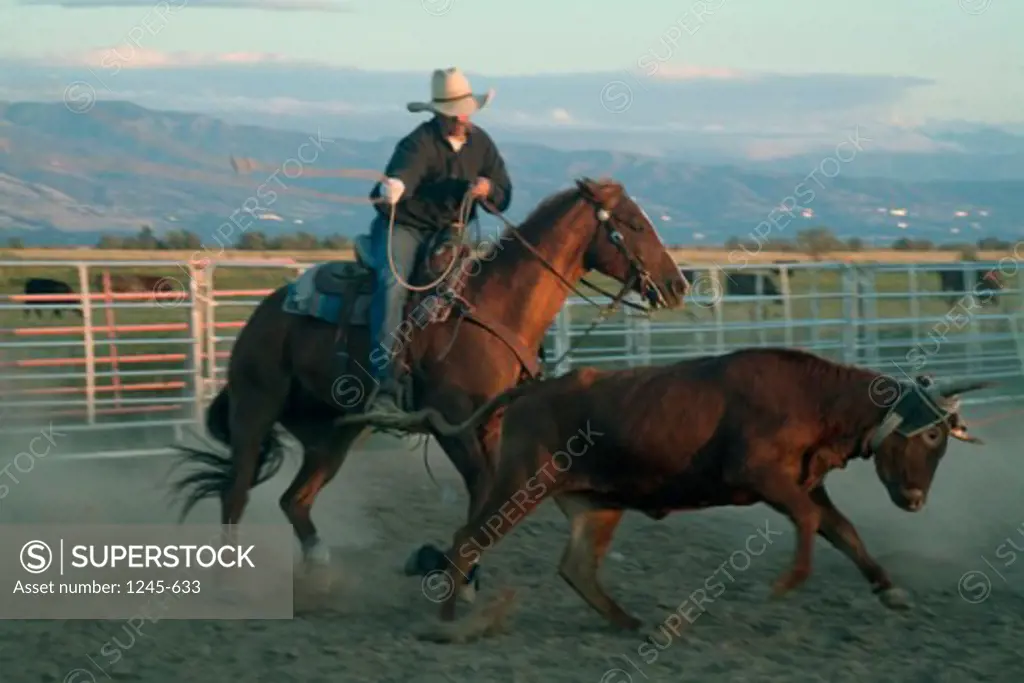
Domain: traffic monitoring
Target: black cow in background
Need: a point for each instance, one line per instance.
(986, 284)
(735, 283)
(42, 285)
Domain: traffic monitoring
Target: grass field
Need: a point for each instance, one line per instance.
(819, 318)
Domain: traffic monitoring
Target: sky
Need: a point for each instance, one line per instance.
(967, 53)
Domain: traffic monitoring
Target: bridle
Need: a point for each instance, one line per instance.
(638, 271)
(925, 391)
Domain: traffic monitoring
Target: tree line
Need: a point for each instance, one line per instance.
(812, 241)
(251, 240)
(821, 240)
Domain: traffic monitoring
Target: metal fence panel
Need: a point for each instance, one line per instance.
(138, 368)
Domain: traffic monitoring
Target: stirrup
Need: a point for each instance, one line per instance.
(392, 389)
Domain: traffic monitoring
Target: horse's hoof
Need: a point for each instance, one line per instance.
(317, 555)
(896, 599)
(318, 578)
(424, 560)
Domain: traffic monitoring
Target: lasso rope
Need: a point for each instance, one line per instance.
(465, 210)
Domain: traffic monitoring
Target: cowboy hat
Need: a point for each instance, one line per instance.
(451, 95)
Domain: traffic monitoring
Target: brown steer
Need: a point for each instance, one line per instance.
(758, 425)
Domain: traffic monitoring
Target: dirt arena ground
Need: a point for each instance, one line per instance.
(384, 505)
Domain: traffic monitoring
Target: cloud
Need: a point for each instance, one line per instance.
(560, 115)
(128, 56)
(758, 115)
(267, 5)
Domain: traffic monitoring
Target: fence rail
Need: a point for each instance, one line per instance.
(138, 368)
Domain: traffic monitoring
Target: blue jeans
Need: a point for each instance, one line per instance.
(389, 296)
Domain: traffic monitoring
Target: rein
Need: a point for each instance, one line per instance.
(514, 229)
(604, 311)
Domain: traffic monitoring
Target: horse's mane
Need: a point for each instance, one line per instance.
(544, 214)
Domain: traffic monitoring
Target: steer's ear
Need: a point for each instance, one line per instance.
(958, 430)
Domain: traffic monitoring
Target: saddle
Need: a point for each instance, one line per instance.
(355, 281)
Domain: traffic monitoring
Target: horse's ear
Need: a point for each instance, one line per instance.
(587, 187)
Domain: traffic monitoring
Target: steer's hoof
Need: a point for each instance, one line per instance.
(789, 581)
(895, 598)
(467, 593)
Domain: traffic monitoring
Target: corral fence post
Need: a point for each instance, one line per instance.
(196, 326)
(716, 277)
(1016, 315)
(850, 310)
(563, 324)
(89, 342)
(759, 308)
(914, 287)
(815, 307)
(972, 348)
(209, 294)
(867, 300)
(787, 303)
(638, 335)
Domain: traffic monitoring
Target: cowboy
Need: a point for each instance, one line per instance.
(427, 179)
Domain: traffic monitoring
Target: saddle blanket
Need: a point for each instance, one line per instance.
(304, 299)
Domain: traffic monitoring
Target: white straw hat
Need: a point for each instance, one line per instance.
(451, 95)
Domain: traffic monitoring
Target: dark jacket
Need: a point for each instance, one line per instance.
(437, 177)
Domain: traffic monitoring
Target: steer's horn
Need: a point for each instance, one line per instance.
(951, 389)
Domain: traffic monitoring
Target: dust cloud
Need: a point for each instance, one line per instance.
(135, 490)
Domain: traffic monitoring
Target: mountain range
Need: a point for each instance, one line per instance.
(66, 177)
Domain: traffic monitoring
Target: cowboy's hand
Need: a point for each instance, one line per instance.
(392, 190)
(481, 188)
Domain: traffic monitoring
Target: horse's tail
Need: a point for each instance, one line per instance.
(216, 473)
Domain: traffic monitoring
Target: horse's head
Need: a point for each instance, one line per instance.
(626, 246)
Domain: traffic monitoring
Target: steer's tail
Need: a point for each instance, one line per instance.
(445, 428)
(216, 473)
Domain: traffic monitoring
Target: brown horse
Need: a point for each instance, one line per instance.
(280, 370)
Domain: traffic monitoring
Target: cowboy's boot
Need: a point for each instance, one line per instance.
(385, 400)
